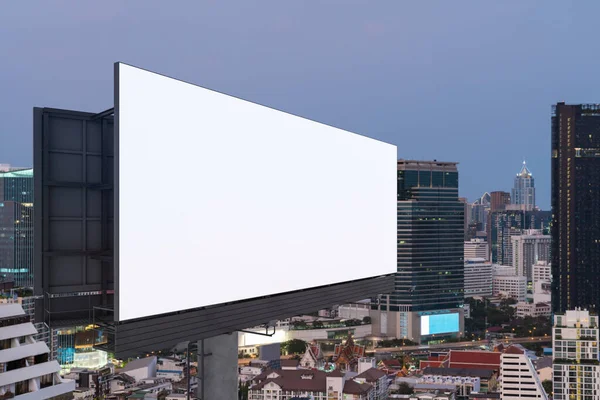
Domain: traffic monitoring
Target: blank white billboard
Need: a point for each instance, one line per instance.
(219, 199)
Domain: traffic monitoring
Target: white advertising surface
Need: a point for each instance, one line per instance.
(220, 199)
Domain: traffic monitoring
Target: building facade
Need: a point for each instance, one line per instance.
(26, 370)
(507, 283)
(542, 272)
(523, 192)
(480, 209)
(529, 248)
(499, 200)
(430, 274)
(16, 241)
(519, 378)
(478, 277)
(505, 224)
(477, 248)
(576, 206)
(575, 356)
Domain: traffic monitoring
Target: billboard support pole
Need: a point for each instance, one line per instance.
(202, 366)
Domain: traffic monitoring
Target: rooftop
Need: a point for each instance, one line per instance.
(470, 372)
(22, 173)
(139, 363)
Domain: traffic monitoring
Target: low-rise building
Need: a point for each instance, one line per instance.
(141, 368)
(478, 277)
(525, 309)
(510, 286)
(171, 368)
(370, 384)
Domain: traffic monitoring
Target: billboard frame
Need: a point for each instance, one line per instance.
(65, 301)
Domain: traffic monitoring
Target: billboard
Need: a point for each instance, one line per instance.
(439, 323)
(219, 200)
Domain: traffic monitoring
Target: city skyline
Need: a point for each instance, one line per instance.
(415, 82)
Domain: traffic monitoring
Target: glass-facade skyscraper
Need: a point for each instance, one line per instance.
(575, 207)
(16, 226)
(427, 303)
(523, 192)
(430, 237)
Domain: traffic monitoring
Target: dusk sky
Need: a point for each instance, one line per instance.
(465, 81)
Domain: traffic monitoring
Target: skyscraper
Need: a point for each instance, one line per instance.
(16, 225)
(499, 200)
(528, 248)
(506, 224)
(429, 288)
(575, 207)
(523, 192)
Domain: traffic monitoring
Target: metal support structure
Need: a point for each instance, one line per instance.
(261, 334)
(202, 365)
(103, 114)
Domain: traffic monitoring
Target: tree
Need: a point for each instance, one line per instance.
(317, 325)
(243, 391)
(294, 346)
(547, 384)
(367, 320)
(405, 388)
(299, 324)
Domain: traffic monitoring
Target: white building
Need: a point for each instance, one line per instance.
(542, 272)
(358, 310)
(477, 248)
(575, 352)
(26, 372)
(519, 378)
(140, 369)
(170, 368)
(542, 292)
(506, 283)
(478, 277)
(528, 249)
(533, 309)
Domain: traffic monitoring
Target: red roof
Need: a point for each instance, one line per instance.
(474, 359)
(424, 364)
(392, 363)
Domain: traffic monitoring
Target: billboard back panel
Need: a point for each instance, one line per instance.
(220, 200)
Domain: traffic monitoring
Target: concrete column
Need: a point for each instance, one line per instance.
(220, 378)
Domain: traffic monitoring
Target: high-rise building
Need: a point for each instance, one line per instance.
(16, 241)
(478, 277)
(467, 215)
(17, 186)
(428, 297)
(523, 192)
(505, 224)
(542, 272)
(575, 351)
(16, 225)
(576, 207)
(519, 378)
(527, 249)
(479, 211)
(26, 370)
(498, 201)
(477, 248)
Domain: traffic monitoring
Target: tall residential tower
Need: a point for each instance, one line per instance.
(575, 207)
